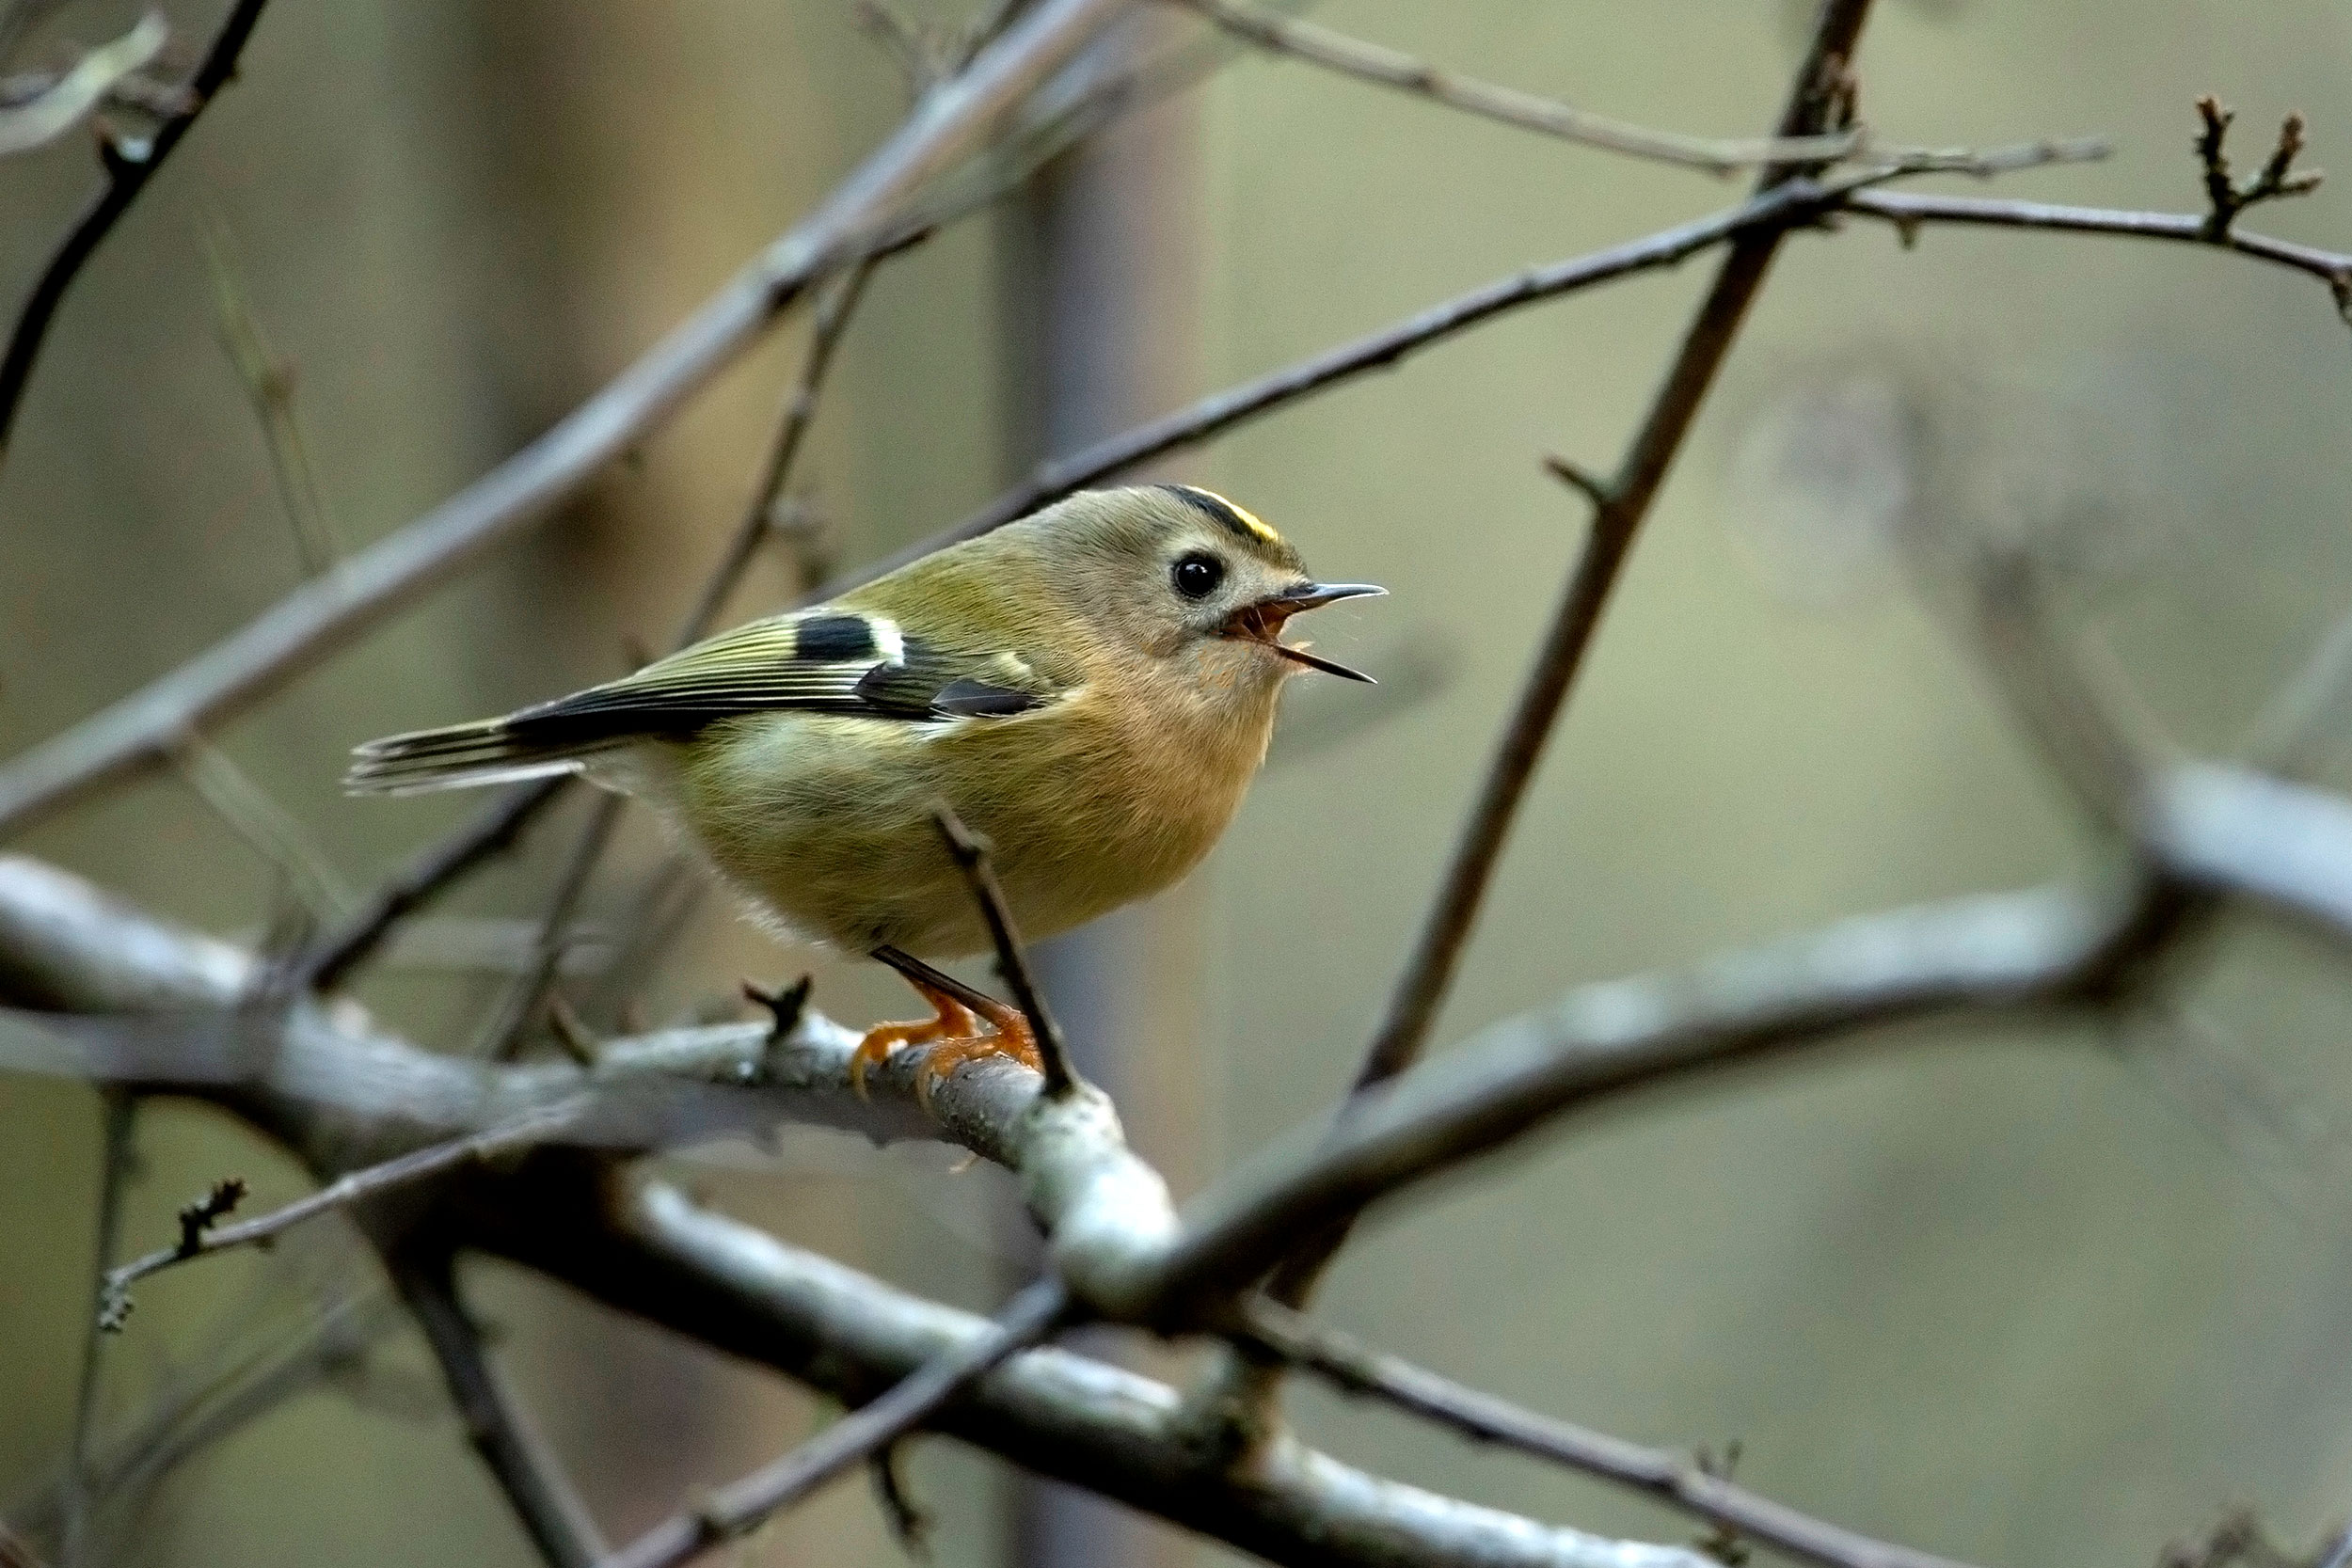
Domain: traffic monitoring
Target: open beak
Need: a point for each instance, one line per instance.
(1263, 622)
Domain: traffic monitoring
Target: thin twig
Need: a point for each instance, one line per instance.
(735, 1509)
(1675, 1479)
(511, 1021)
(128, 167)
(323, 965)
(269, 386)
(910, 1523)
(2224, 198)
(496, 1424)
(334, 610)
(1908, 211)
(1370, 62)
(524, 999)
(267, 828)
(800, 412)
(115, 1151)
(971, 856)
(200, 1235)
(1799, 202)
(311, 621)
(1453, 914)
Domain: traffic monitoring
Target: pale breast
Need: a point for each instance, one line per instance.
(828, 821)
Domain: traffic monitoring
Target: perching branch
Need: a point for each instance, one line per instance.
(333, 611)
(128, 167)
(321, 1088)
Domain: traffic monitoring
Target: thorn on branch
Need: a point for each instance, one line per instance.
(784, 1006)
(571, 1034)
(909, 1523)
(2226, 198)
(1581, 479)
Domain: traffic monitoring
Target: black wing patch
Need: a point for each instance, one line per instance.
(826, 662)
(827, 639)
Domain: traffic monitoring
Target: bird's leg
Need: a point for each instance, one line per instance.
(1009, 1035)
(951, 1020)
(981, 1026)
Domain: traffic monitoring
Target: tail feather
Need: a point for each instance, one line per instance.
(461, 757)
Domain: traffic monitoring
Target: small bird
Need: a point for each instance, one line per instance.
(1090, 688)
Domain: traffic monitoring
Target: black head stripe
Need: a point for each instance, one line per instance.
(829, 639)
(1246, 528)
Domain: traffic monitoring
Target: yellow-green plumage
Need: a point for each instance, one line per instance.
(1051, 682)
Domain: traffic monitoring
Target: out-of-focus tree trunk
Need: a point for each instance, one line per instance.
(1103, 267)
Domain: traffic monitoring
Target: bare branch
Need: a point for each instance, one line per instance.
(269, 386)
(327, 1087)
(1908, 211)
(503, 1035)
(267, 828)
(2223, 830)
(496, 1424)
(851, 1441)
(323, 965)
(1012, 961)
(1797, 203)
(1821, 92)
(59, 104)
(2225, 198)
(1585, 482)
(200, 1235)
(333, 611)
(1996, 955)
(524, 999)
(650, 1251)
(128, 167)
(800, 412)
(1369, 62)
(1675, 1479)
(117, 1155)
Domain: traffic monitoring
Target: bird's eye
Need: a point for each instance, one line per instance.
(1196, 577)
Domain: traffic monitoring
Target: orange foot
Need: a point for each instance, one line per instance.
(968, 1027)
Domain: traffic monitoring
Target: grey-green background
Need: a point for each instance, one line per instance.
(2025, 1299)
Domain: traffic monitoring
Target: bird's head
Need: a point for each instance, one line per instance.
(1183, 575)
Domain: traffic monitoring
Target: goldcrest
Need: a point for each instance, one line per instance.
(1091, 689)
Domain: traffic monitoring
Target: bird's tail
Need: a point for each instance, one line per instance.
(462, 756)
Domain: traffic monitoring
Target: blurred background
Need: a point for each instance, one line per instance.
(2027, 1299)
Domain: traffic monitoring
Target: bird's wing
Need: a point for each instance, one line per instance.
(818, 661)
(825, 660)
